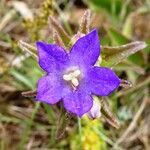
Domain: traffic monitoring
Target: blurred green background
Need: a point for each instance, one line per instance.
(29, 125)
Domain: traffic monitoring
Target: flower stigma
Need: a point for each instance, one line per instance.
(73, 77)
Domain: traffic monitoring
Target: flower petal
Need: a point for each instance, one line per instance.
(86, 49)
(78, 102)
(51, 56)
(50, 89)
(101, 81)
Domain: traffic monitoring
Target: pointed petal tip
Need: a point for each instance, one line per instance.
(81, 114)
(39, 43)
(78, 103)
(118, 81)
(95, 30)
(102, 81)
(86, 49)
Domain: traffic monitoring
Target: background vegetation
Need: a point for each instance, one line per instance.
(30, 125)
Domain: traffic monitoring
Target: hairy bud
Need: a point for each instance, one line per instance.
(95, 112)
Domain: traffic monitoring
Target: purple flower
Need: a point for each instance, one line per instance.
(72, 77)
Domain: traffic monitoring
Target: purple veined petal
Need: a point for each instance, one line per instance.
(50, 89)
(101, 81)
(51, 56)
(86, 49)
(78, 102)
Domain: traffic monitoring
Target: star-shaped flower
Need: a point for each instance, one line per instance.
(72, 77)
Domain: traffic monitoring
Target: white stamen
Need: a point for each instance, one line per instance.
(73, 77)
(67, 77)
(75, 82)
(76, 73)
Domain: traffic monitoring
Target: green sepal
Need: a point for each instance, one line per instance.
(28, 48)
(111, 56)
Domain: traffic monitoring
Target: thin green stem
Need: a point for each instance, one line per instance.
(80, 132)
(113, 8)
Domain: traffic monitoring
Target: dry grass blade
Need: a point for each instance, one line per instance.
(63, 121)
(23, 9)
(133, 123)
(110, 118)
(4, 44)
(128, 65)
(28, 48)
(7, 18)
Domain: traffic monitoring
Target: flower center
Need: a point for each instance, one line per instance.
(73, 77)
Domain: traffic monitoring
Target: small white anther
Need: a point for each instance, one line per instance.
(75, 82)
(67, 77)
(76, 73)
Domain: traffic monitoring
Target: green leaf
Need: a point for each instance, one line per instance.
(147, 49)
(137, 58)
(23, 78)
(128, 65)
(117, 38)
(127, 28)
(124, 10)
(107, 5)
(111, 56)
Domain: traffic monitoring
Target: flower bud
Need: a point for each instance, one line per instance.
(95, 112)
